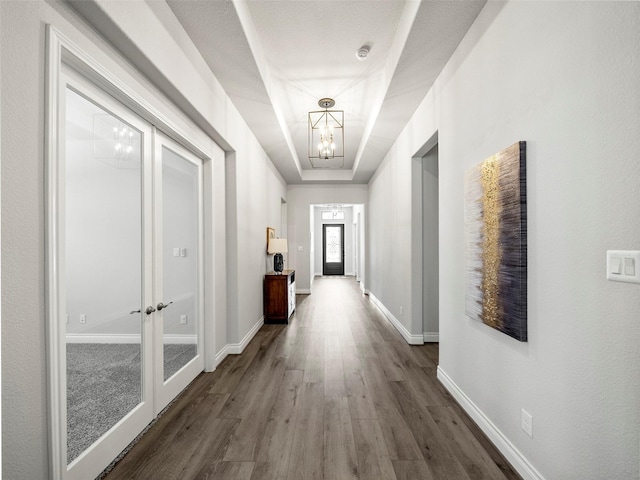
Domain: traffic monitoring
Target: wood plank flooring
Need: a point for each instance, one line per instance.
(336, 394)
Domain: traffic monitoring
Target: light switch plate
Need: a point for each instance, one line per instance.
(623, 266)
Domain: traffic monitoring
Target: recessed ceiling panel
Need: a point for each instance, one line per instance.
(277, 58)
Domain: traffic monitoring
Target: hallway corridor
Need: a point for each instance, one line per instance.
(335, 394)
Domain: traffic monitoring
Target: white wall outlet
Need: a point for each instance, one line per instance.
(83, 318)
(183, 252)
(176, 252)
(526, 422)
(183, 319)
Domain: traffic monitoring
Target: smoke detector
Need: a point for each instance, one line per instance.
(362, 52)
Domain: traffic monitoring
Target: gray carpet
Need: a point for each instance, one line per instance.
(103, 385)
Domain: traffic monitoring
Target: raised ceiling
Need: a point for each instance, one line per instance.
(277, 58)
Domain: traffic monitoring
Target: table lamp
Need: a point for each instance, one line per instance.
(278, 246)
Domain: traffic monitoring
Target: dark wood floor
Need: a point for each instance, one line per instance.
(336, 394)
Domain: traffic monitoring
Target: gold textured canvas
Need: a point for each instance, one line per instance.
(496, 236)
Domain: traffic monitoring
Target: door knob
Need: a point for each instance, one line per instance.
(162, 305)
(149, 310)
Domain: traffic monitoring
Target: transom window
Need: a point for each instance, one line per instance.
(333, 215)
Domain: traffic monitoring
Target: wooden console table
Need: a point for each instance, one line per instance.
(279, 296)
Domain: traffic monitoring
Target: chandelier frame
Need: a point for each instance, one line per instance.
(326, 126)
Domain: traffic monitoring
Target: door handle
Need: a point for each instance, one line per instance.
(134, 311)
(162, 305)
(149, 310)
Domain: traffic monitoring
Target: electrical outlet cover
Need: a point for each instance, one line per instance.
(527, 423)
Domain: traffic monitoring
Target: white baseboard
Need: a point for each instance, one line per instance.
(176, 339)
(238, 348)
(431, 337)
(102, 338)
(409, 337)
(502, 443)
(303, 291)
(220, 356)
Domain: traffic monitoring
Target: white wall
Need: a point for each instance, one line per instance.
(300, 198)
(359, 213)
(563, 77)
(103, 231)
(153, 38)
(258, 190)
(180, 230)
(312, 249)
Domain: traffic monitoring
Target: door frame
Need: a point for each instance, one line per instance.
(62, 52)
(324, 247)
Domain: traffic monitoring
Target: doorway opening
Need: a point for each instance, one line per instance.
(430, 247)
(352, 216)
(425, 273)
(333, 249)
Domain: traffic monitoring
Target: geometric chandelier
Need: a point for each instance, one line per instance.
(326, 136)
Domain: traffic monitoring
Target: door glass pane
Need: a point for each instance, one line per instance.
(103, 279)
(333, 247)
(180, 187)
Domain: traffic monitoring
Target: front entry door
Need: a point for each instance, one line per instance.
(333, 249)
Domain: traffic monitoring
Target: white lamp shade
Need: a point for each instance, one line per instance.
(277, 245)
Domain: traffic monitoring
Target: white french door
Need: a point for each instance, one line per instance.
(178, 273)
(129, 286)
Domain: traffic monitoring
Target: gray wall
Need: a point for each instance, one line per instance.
(257, 189)
(564, 77)
(430, 250)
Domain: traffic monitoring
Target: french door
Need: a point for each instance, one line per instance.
(333, 249)
(129, 286)
(178, 276)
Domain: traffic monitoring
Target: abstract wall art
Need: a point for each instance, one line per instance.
(496, 241)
